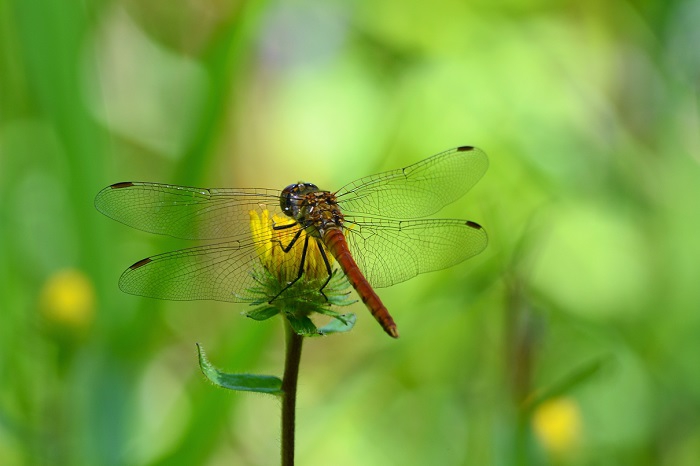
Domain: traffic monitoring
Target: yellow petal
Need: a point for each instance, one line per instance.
(285, 265)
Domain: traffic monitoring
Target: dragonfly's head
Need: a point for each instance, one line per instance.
(293, 196)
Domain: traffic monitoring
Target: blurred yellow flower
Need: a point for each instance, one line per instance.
(557, 425)
(285, 265)
(68, 299)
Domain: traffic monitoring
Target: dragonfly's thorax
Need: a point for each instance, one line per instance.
(312, 208)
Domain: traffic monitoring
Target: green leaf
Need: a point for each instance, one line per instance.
(340, 323)
(263, 313)
(302, 325)
(240, 382)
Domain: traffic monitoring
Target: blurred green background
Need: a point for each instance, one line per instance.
(572, 340)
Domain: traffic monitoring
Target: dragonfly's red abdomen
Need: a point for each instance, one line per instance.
(334, 240)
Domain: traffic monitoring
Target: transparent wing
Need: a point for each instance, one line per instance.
(185, 212)
(392, 251)
(387, 251)
(222, 272)
(418, 190)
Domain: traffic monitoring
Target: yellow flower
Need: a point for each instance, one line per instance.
(285, 265)
(68, 299)
(312, 293)
(557, 425)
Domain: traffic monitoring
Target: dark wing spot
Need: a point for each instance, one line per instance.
(140, 263)
(464, 148)
(124, 184)
(474, 225)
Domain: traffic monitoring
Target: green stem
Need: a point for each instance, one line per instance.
(289, 389)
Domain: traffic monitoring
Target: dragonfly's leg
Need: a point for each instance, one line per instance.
(301, 263)
(291, 244)
(282, 227)
(328, 268)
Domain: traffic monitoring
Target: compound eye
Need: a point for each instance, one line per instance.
(286, 198)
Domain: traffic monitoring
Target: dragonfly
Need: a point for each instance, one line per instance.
(373, 227)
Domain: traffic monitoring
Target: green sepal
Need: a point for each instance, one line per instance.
(263, 313)
(302, 325)
(339, 298)
(304, 294)
(240, 382)
(340, 324)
